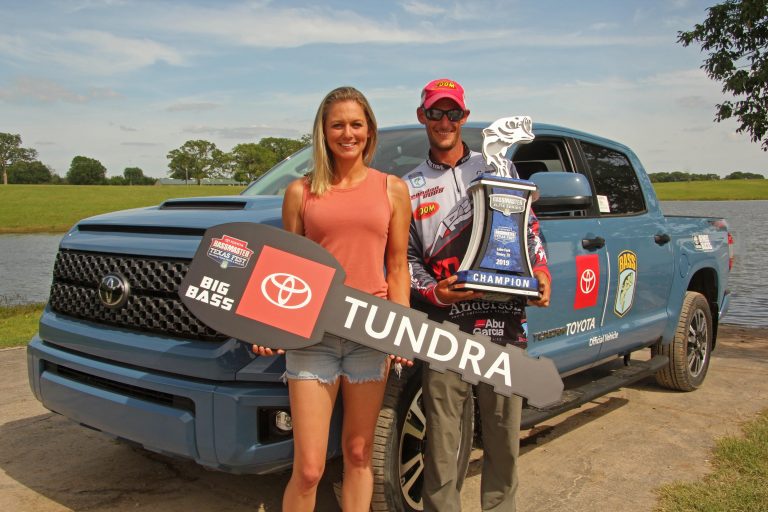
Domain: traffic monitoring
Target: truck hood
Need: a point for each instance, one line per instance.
(171, 229)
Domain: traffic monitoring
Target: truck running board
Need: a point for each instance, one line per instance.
(575, 397)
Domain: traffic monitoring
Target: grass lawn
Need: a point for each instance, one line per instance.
(739, 479)
(720, 190)
(18, 324)
(56, 208)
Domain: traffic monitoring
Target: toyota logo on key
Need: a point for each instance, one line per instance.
(286, 290)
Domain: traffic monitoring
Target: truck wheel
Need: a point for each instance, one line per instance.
(691, 347)
(398, 449)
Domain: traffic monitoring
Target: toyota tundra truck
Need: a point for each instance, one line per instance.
(118, 352)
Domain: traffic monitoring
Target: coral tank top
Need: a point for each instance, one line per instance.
(352, 224)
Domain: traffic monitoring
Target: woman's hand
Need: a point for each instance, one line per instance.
(266, 351)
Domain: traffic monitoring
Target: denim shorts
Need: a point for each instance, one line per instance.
(334, 357)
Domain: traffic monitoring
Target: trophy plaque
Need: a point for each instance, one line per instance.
(497, 261)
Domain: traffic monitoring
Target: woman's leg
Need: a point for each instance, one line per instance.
(362, 403)
(311, 409)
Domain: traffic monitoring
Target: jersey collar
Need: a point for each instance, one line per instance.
(443, 167)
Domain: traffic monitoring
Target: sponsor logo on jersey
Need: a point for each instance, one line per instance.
(425, 210)
(587, 281)
(417, 180)
(489, 327)
(430, 192)
(627, 282)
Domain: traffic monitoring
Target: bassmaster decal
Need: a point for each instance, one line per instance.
(587, 281)
(229, 251)
(625, 290)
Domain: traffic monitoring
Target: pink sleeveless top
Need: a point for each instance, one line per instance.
(352, 224)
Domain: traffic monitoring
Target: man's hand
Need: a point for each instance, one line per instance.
(544, 290)
(447, 294)
(266, 351)
(400, 360)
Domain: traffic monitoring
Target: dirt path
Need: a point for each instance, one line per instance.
(610, 454)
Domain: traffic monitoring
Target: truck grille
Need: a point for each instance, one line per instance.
(153, 303)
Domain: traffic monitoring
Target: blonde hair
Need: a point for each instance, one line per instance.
(321, 175)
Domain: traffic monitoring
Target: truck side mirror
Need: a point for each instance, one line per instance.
(561, 192)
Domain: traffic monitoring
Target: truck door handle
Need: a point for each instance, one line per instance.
(661, 238)
(593, 243)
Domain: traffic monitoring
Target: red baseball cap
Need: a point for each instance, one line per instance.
(442, 88)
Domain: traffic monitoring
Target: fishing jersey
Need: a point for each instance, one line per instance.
(439, 235)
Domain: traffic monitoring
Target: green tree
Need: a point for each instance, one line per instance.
(738, 175)
(735, 37)
(135, 176)
(281, 147)
(33, 172)
(249, 161)
(12, 152)
(197, 160)
(117, 180)
(86, 171)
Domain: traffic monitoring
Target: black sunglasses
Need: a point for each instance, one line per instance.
(436, 114)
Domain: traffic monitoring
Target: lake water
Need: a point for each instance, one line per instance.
(26, 261)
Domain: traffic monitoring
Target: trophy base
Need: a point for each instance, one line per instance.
(497, 287)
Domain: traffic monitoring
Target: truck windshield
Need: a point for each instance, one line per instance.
(399, 151)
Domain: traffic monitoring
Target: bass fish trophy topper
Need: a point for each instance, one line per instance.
(497, 261)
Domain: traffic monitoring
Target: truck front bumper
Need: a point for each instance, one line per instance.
(223, 426)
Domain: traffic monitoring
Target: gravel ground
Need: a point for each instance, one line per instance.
(610, 454)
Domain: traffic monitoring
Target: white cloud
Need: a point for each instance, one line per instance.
(37, 89)
(41, 90)
(242, 132)
(192, 106)
(88, 51)
(418, 8)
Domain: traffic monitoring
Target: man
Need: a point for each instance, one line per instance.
(440, 230)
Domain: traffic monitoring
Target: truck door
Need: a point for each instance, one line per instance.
(639, 255)
(566, 330)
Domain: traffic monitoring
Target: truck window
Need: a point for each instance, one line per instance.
(541, 155)
(616, 185)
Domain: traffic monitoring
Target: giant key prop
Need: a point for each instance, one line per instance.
(266, 286)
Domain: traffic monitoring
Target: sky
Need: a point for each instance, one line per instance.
(126, 81)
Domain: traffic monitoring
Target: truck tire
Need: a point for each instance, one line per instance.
(691, 347)
(398, 448)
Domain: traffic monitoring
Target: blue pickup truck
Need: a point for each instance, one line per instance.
(117, 351)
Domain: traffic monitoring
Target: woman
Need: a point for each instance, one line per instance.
(362, 217)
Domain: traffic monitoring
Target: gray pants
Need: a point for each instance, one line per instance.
(444, 396)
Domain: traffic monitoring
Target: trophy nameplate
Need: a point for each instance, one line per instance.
(497, 261)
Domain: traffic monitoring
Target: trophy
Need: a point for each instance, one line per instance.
(497, 261)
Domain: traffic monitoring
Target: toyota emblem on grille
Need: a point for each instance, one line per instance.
(286, 290)
(113, 290)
